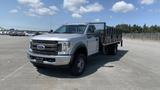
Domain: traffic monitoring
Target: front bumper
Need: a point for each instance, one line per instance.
(58, 60)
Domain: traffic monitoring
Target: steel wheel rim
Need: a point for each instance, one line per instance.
(80, 64)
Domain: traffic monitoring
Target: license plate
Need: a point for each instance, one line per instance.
(39, 60)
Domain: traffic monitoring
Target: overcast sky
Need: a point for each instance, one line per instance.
(46, 14)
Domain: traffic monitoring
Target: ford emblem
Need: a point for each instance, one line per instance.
(40, 47)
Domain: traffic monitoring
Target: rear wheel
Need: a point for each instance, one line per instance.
(78, 65)
(112, 49)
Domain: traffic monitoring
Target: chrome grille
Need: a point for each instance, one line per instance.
(51, 47)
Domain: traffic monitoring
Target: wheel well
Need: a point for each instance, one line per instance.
(82, 50)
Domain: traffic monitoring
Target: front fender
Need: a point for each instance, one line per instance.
(77, 46)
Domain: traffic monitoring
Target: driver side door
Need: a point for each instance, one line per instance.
(92, 40)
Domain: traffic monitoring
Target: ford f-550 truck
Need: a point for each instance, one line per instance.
(71, 44)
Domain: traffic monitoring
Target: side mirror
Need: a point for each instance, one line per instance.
(90, 35)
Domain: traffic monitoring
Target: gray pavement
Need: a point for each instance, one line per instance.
(135, 67)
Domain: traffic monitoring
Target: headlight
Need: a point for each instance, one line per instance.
(30, 44)
(65, 47)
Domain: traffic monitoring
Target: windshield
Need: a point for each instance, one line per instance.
(71, 29)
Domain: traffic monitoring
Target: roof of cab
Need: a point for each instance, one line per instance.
(85, 23)
(76, 24)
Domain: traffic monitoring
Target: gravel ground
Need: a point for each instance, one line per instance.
(135, 67)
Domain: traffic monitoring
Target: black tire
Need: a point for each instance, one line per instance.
(111, 49)
(114, 49)
(106, 51)
(78, 65)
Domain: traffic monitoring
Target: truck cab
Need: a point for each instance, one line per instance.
(69, 45)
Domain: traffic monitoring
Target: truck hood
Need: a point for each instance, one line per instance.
(58, 37)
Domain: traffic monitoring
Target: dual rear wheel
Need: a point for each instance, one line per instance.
(111, 49)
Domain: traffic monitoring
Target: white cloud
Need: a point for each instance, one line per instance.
(13, 11)
(31, 3)
(54, 8)
(72, 5)
(76, 15)
(37, 8)
(147, 2)
(96, 7)
(42, 11)
(80, 7)
(122, 6)
(97, 20)
(28, 1)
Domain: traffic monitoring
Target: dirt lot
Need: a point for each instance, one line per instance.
(135, 67)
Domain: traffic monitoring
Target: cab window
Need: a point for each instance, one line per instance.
(91, 30)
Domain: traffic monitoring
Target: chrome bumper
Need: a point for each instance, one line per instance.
(59, 60)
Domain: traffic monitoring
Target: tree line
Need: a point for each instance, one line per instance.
(125, 28)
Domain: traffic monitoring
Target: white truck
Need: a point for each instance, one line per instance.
(71, 44)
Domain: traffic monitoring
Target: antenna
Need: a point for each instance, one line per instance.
(50, 22)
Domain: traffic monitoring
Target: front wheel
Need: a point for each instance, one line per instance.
(78, 65)
(111, 49)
